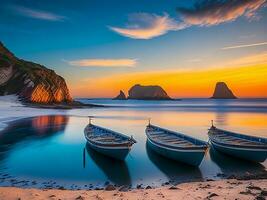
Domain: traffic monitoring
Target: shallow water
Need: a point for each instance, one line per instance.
(47, 149)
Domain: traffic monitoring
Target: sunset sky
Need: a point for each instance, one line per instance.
(101, 47)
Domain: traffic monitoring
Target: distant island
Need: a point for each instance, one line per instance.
(121, 96)
(222, 92)
(140, 92)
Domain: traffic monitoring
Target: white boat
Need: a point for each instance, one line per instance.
(238, 145)
(176, 146)
(108, 142)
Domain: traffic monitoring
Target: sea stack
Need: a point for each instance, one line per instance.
(32, 82)
(151, 92)
(121, 96)
(222, 92)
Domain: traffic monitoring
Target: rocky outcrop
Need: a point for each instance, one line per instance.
(121, 96)
(152, 92)
(222, 92)
(32, 82)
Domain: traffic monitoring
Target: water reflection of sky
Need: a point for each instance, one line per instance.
(51, 147)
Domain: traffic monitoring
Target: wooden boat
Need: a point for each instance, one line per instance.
(175, 146)
(108, 142)
(238, 145)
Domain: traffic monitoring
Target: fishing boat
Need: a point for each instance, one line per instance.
(238, 145)
(175, 146)
(108, 142)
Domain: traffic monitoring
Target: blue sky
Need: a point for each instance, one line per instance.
(132, 36)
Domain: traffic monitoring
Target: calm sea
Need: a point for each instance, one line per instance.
(51, 151)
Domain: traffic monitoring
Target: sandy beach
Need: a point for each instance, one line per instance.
(223, 189)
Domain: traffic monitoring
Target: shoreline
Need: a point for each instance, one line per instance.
(232, 184)
(62, 106)
(220, 189)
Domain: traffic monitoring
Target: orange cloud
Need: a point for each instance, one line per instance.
(244, 81)
(146, 26)
(104, 62)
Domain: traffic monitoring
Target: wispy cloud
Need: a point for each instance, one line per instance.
(254, 59)
(103, 63)
(37, 14)
(244, 46)
(208, 13)
(146, 26)
(205, 13)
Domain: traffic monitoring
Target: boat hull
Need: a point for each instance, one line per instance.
(190, 157)
(119, 153)
(254, 155)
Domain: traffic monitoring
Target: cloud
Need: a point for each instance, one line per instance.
(104, 63)
(147, 26)
(37, 14)
(244, 46)
(254, 59)
(213, 12)
(205, 13)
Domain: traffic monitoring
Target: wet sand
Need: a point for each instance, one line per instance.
(222, 189)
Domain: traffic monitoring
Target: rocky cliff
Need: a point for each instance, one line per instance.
(32, 82)
(222, 92)
(152, 92)
(121, 96)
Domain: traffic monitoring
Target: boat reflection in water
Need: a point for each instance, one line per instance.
(116, 170)
(32, 128)
(176, 172)
(231, 165)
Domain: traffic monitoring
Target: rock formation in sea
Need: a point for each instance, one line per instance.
(222, 92)
(151, 92)
(30, 81)
(121, 96)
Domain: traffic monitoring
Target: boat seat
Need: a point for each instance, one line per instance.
(103, 137)
(182, 145)
(246, 143)
(235, 140)
(156, 134)
(184, 141)
(165, 136)
(108, 140)
(172, 140)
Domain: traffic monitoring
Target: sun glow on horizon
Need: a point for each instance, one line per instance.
(249, 81)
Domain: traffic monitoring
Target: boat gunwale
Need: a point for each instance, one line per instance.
(262, 142)
(195, 141)
(179, 149)
(202, 146)
(126, 142)
(109, 146)
(238, 147)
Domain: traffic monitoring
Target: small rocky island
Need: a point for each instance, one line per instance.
(151, 92)
(121, 96)
(32, 82)
(222, 92)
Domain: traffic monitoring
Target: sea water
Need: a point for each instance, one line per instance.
(51, 151)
